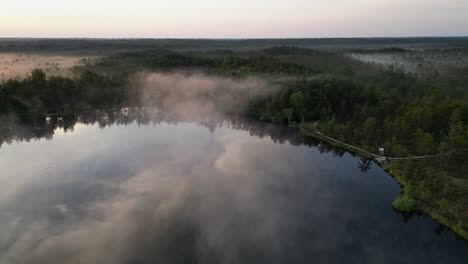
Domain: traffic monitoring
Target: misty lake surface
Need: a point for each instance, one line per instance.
(185, 192)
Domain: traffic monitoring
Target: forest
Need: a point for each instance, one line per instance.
(366, 104)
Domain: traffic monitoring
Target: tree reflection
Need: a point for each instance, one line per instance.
(365, 164)
(14, 130)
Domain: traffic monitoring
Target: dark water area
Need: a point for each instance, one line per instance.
(126, 188)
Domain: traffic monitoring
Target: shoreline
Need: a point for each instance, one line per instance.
(397, 175)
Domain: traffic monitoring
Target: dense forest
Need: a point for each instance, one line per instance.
(38, 96)
(393, 109)
(363, 104)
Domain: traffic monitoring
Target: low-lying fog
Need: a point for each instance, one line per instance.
(189, 95)
(415, 61)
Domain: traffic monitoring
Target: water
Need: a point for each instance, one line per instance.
(131, 190)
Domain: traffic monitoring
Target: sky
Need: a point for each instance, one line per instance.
(233, 19)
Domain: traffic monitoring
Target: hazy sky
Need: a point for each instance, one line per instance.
(232, 19)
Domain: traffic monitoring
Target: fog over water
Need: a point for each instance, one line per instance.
(186, 184)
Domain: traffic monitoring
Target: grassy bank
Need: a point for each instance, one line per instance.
(434, 191)
(427, 187)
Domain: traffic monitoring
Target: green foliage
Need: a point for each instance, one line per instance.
(297, 100)
(434, 191)
(38, 77)
(37, 96)
(288, 113)
(424, 142)
(456, 136)
(405, 203)
(226, 63)
(391, 109)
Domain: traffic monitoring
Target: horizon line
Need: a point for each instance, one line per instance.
(233, 38)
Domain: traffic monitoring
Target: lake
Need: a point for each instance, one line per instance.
(125, 188)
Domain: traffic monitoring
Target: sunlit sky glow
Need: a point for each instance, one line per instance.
(232, 19)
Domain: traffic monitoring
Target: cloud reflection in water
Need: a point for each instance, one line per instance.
(181, 194)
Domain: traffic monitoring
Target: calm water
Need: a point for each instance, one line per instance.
(191, 193)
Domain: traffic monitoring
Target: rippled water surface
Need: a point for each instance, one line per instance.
(191, 193)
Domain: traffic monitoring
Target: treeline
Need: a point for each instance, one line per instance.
(110, 45)
(392, 110)
(219, 62)
(37, 96)
(104, 84)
